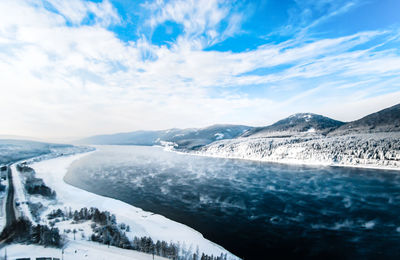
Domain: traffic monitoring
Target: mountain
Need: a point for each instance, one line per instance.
(297, 125)
(19, 137)
(14, 150)
(386, 120)
(190, 138)
(372, 141)
(302, 123)
(194, 138)
(131, 138)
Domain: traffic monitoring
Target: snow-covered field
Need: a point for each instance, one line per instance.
(378, 150)
(142, 223)
(75, 250)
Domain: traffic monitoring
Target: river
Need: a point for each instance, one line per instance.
(256, 210)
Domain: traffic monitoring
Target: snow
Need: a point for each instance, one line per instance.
(311, 130)
(378, 150)
(307, 117)
(142, 223)
(168, 145)
(76, 250)
(219, 136)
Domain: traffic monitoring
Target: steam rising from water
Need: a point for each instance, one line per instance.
(279, 209)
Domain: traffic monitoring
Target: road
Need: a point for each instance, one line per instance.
(10, 208)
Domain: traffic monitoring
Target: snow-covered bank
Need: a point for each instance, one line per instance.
(378, 150)
(142, 223)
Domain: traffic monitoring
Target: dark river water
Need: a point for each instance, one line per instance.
(255, 210)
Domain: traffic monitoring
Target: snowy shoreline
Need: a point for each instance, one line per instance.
(369, 151)
(142, 223)
(289, 162)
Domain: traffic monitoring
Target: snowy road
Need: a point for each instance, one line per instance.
(9, 209)
(20, 194)
(15, 193)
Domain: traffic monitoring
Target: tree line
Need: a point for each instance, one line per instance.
(107, 231)
(35, 185)
(23, 231)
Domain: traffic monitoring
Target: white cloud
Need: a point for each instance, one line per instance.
(59, 80)
(200, 19)
(308, 14)
(75, 11)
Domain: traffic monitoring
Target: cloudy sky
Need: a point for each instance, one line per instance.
(76, 68)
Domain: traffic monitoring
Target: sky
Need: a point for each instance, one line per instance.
(78, 68)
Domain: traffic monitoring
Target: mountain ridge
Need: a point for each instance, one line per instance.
(306, 123)
(385, 120)
(299, 124)
(188, 138)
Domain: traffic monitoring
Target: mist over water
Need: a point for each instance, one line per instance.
(255, 210)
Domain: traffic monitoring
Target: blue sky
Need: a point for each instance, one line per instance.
(77, 68)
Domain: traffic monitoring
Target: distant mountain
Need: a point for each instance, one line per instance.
(19, 137)
(386, 120)
(131, 138)
(194, 138)
(302, 123)
(190, 138)
(60, 140)
(297, 125)
(14, 150)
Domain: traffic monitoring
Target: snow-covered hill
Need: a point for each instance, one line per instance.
(372, 141)
(297, 124)
(14, 150)
(380, 150)
(386, 120)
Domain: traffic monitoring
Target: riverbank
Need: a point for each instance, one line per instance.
(289, 162)
(142, 223)
(374, 151)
